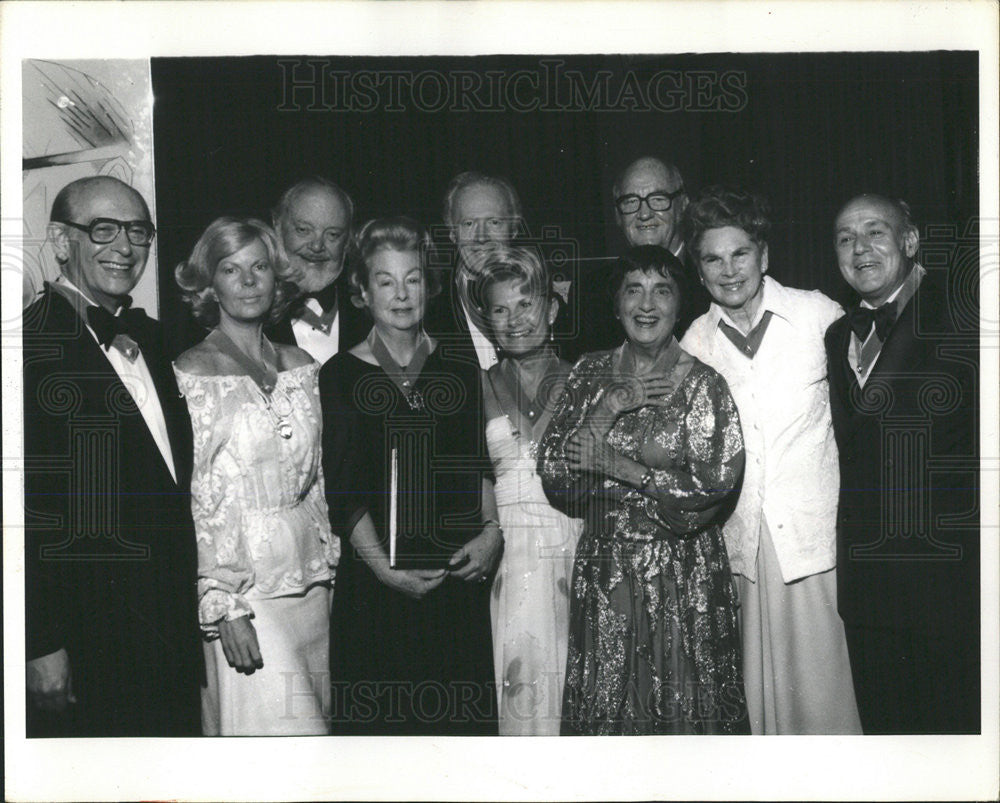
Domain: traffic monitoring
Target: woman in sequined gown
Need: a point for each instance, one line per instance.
(529, 605)
(266, 555)
(645, 444)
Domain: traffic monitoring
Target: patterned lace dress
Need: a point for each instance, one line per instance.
(653, 642)
(264, 549)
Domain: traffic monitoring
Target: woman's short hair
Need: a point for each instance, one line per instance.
(717, 206)
(520, 264)
(651, 259)
(223, 238)
(471, 178)
(396, 234)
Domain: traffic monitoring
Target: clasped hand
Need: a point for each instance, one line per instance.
(627, 392)
(472, 563)
(587, 449)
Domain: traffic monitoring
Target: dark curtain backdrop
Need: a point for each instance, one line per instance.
(807, 130)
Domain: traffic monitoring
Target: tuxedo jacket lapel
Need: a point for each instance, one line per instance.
(174, 409)
(91, 355)
(897, 352)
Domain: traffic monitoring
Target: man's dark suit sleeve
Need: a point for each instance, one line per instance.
(46, 596)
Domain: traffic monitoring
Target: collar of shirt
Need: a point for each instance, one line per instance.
(136, 378)
(80, 301)
(773, 299)
(866, 353)
(485, 350)
(62, 280)
(905, 291)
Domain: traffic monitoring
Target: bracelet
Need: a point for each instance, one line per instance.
(488, 522)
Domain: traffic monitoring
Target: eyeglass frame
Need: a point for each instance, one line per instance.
(121, 225)
(644, 199)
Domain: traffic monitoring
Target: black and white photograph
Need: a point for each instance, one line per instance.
(393, 390)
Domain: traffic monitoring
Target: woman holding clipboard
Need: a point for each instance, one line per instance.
(410, 496)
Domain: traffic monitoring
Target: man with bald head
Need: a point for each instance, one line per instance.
(650, 200)
(110, 562)
(313, 221)
(903, 377)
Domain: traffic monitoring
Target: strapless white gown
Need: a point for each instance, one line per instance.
(529, 605)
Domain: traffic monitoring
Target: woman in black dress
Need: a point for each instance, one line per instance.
(411, 648)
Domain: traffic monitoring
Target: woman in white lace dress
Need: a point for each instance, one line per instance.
(530, 599)
(266, 556)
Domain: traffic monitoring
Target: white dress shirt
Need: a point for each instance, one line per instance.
(485, 350)
(320, 345)
(138, 381)
(792, 477)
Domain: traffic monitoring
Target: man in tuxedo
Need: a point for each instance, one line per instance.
(313, 221)
(110, 561)
(481, 212)
(649, 200)
(903, 394)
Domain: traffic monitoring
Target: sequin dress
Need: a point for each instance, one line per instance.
(653, 641)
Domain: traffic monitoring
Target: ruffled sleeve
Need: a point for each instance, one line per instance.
(689, 496)
(225, 565)
(567, 489)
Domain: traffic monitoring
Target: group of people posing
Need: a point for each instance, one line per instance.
(410, 514)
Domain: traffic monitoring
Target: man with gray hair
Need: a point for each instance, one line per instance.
(313, 222)
(481, 212)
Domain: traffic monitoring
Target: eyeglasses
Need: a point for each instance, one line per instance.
(104, 230)
(658, 201)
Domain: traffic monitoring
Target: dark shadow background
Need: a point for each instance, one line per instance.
(807, 130)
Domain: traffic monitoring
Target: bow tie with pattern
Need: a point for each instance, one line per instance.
(116, 330)
(862, 318)
(327, 299)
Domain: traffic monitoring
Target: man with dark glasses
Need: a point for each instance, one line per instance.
(110, 566)
(649, 202)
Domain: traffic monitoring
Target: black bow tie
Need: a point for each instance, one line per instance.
(107, 326)
(862, 318)
(327, 297)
